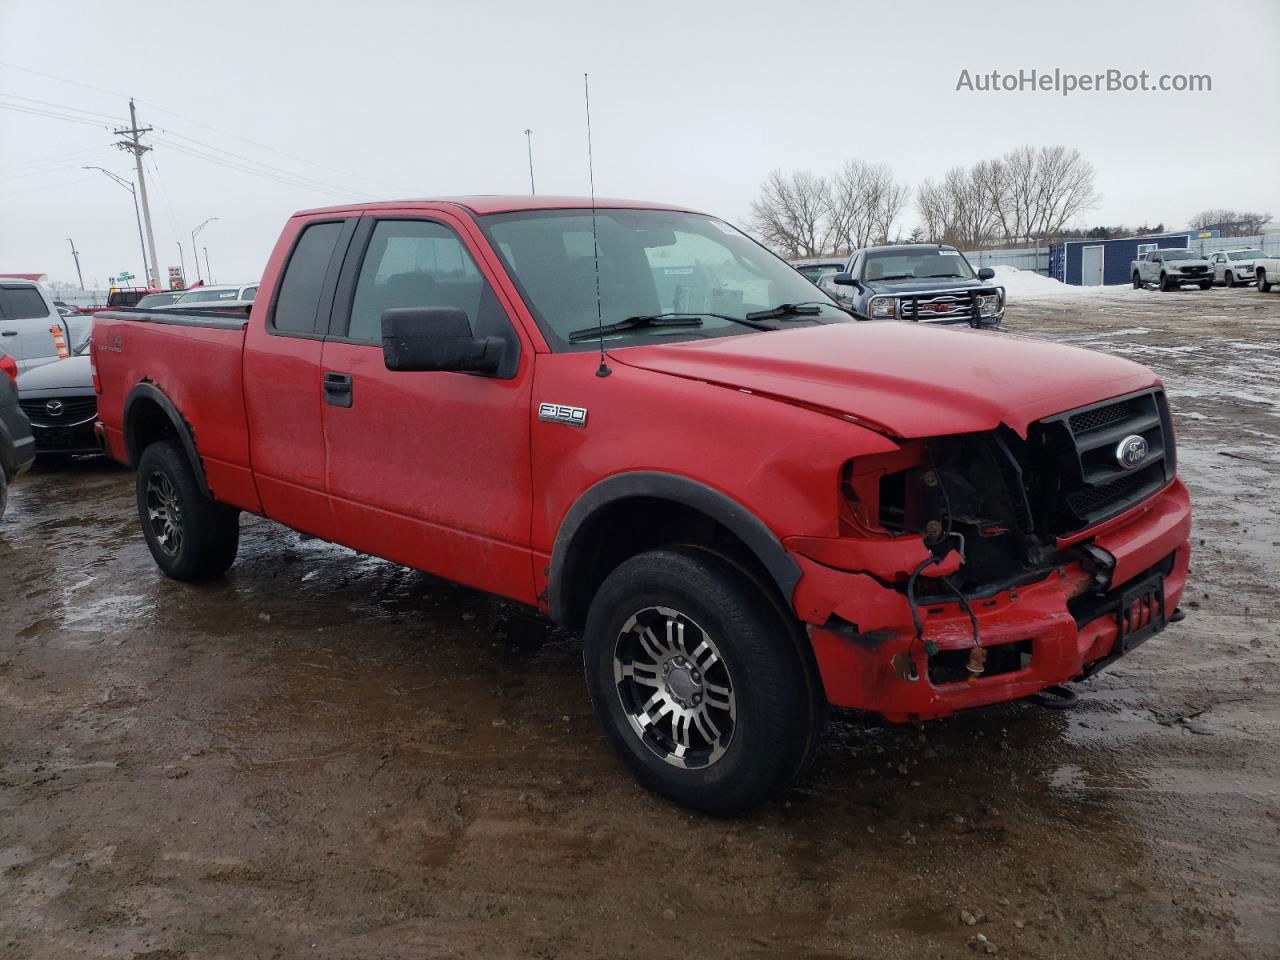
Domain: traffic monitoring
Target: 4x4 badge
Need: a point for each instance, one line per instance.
(559, 413)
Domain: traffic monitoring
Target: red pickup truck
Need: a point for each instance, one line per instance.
(644, 424)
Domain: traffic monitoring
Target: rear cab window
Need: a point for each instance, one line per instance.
(298, 298)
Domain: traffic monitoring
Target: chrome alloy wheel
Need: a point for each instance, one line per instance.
(675, 689)
(164, 514)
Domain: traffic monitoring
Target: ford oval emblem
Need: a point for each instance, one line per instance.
(1132, 451)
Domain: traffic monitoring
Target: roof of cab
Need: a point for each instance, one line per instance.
(486, 204)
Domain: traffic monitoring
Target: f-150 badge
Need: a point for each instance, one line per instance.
(559, 413)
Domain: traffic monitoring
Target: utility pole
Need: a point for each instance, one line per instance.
(195, 251)
(133, 143)
(136, 215)
(76, 256)
(528, 137)
(208, 269)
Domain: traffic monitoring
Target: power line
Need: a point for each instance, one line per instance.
(63, 106)
(51, 186)
(288, 181)
(35, 112)
(38, 161)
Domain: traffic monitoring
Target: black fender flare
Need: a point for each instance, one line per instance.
(149, 391)
(746, 526)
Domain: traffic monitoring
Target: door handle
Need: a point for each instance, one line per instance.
(337, 389)
(9, 333)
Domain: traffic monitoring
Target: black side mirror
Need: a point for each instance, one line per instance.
(986, 273)
(436, 338)
(844, 280)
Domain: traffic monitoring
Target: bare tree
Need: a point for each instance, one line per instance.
(1232, 223)
(792, 213)
(866, 201)
(1034, 192)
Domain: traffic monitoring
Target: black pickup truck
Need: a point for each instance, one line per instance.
(917, 282)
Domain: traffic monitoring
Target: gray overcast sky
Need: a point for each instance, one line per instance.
(692, 103)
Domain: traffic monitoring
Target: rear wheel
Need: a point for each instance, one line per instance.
(1263, 283)
(190, 536)
(1137, 280)
(697, 680)
(1230, 277)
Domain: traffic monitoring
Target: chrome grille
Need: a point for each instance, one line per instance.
(73, 410)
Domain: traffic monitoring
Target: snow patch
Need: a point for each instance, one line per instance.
(1029, 285)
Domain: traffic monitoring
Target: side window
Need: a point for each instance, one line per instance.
(420, 263)
(856, 267)
(21, 303)
(249, 293)
(299, 296)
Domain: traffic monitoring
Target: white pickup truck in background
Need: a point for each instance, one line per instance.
(1266, 272)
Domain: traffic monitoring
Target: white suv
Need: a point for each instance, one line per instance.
(1234, 266)
(27, 316)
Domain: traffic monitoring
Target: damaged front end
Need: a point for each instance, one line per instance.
(986, 567)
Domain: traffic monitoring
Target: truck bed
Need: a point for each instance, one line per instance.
(194, 358)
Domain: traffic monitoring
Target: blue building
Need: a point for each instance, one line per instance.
(1092, 263)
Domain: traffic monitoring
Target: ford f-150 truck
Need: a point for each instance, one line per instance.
(642, 423)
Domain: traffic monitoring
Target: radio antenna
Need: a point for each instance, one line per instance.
(603, 370)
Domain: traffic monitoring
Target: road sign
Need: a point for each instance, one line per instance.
(175, 279)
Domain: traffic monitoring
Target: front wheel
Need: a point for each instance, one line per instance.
(698, 680)
(190, 536)
(1263, 284)
(1230, 278)
(1165, 284)
(1206, 284)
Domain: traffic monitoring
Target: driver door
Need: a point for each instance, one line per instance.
(429, 469)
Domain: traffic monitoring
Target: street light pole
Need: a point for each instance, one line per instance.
(208, 269)
(195, 252)
(137, 214)
(76, 256)
(182, 262)
(528, 137)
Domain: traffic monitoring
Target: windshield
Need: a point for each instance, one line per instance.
(1179, 255)
(812, 271)
(929, 264)
(157, 300)
(651, 262)
(209, 294)
(1244, 254)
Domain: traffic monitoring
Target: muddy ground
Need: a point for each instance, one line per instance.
(327, 755)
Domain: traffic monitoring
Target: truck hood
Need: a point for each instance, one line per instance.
(904, 380)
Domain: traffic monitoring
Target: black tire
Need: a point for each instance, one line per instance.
(1206, 284)
(4, 492)
(758, 693)
(1229, 277)
(1165, 285)
(190, 536)
(1263, 283)
(1137, 280)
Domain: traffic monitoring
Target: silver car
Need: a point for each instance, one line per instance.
(27, 320)
(222, 297)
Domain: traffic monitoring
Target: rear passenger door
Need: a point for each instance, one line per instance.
(282, 376)
(429, 469)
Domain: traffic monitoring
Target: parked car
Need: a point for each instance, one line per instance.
(238, 297)
(1170, 268)
(62, 405)
(749, 504)
(1231, 267)
(27, 319)
(17, 449)
(924, 282)
(153, 300)
(1266, 272)
(814, 269)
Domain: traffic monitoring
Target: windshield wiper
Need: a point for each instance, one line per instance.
(635, 323)
(895, 276)
(943, 276)
(787, 311)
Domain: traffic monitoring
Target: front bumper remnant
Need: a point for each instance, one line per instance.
(1059, 628)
